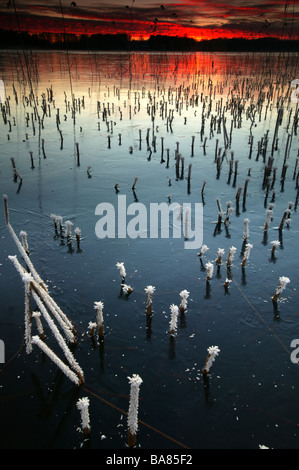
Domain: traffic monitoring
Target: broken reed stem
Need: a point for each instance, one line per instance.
(78, 153)
(47, 299)
(28, 317)
(65, 369)
(68, 355)
(6, 209)
(39, 325)
(16, 174)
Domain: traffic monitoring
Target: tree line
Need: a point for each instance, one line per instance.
(122, 42)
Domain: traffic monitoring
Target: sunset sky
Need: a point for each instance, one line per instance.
(199, 19)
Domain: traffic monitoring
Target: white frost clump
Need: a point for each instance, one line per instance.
(210, 270)
(203, 250)
(68, 228)
(98, 306)
(149, 290)
(213, 351)
(122, 269)
(220, 253)
(275, 244)
(184, 294)
(126, 289)
(283, 282)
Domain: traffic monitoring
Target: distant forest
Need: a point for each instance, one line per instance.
(121, 42)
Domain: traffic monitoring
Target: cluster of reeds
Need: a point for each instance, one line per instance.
(66, 231)
(48, 311)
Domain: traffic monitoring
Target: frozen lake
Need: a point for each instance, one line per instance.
(76, 124)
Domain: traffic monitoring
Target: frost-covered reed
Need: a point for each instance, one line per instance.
(21, 249)
(285, 217)
(184, 294)
(59, 338)
(229, 211)
(91, 327)
(275, 244)
(231, 255)
(135, 382)
(227, 283)
(283, 282)
(27, 278)
(23, 236)
(68, 229)
(210, 271)
(43, 300)
(83, 406)
(39, 325)
(54, 218)
(59, 221)
(220, 253)
(213, 351)
(203, 250)
(122, 271)
(269, 214)
(174, 310)
(246, 254)
(126, 289)
(149, 290)
(77, 232)
(246, 230)
(54, 358)
(99, 306)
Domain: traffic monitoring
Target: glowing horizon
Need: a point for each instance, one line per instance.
(140, 20)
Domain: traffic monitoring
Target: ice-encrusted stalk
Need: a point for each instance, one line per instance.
(283, 282)
(149, 290)
(213, 351)
(135, 381)
(98, 306)
(83, 407)
(48, 351)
